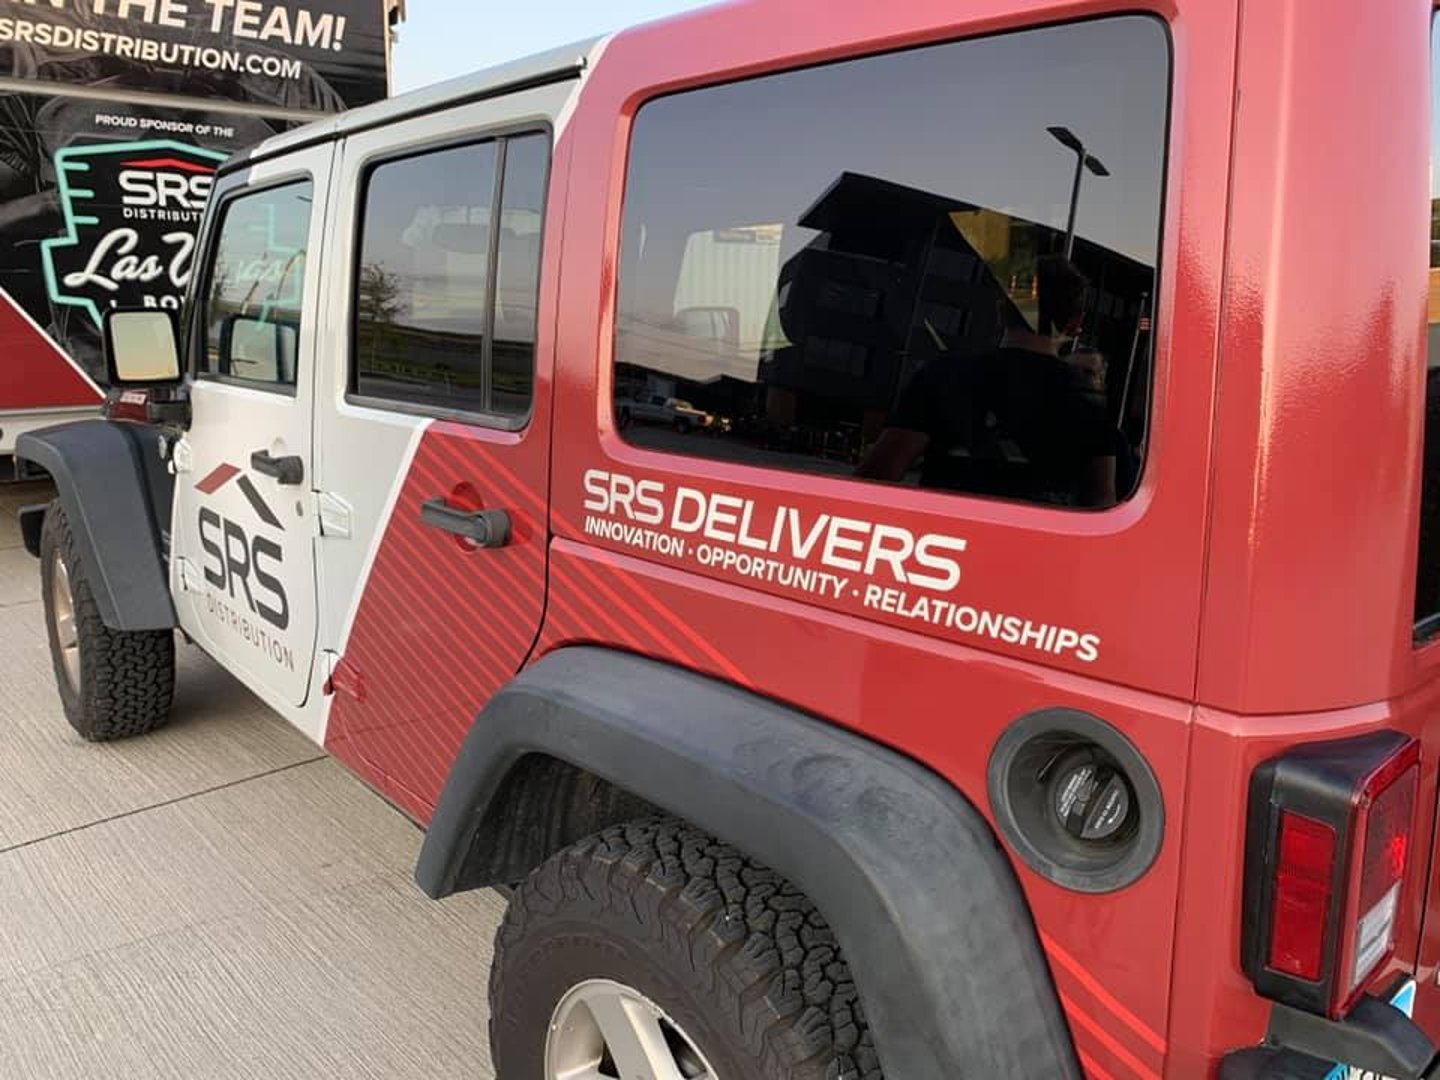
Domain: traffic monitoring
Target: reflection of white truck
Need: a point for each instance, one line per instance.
(658, 409)
(101, 193)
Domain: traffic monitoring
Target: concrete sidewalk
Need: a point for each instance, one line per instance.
(215, 900)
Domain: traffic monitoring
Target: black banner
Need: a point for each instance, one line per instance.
(99, 205)
(317, 55)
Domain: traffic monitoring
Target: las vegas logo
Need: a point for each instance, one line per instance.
(131, 215)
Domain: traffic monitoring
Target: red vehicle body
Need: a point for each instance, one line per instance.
(1254, 595)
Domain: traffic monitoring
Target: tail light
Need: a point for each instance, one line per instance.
(1328, 843)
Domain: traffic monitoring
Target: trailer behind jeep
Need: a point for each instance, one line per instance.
(113, 121)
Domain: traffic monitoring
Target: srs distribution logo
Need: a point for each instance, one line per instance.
(244, 568)
(131, 215)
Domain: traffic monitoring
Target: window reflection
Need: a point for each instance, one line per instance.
(424, 272)
(257, 285)
(429, 332)
(517, 272)
(860, 269)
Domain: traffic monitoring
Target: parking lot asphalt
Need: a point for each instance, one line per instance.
(215, 900)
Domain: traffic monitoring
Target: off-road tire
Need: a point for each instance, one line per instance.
(739, 958)
(127, 678)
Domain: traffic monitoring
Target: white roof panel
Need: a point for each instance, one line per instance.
(550, 64)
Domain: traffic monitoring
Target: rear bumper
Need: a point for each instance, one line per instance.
(1375, 1037)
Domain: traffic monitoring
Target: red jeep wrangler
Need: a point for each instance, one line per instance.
(1027, 663)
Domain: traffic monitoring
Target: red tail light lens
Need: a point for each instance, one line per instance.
(1301, 909)
(1385, 820)
(1328, 845)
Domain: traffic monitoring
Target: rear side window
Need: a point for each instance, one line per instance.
(1427, 590)
(517, 273)
(934, 267)
(449, 272)
(256, 285)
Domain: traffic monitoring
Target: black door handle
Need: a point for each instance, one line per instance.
(290, 471)
(483, 528)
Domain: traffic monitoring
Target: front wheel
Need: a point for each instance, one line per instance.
(652, 951)
(113, 683)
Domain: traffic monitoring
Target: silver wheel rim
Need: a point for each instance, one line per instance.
(604, 1030)
(67, 633)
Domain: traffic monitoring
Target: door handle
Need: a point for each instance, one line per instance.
(483, 528)
(289, 471)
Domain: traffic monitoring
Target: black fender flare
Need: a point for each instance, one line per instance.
(927, 908)
(114, 488)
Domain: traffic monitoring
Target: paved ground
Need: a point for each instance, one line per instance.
(216, 900)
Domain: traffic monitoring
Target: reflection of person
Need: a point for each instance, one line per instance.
(1019, 423)
(1089, 368)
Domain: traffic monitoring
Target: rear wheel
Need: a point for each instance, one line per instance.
(602, 1024)
(652, 951)
(113, 683)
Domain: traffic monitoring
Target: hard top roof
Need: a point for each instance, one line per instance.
(541, 68)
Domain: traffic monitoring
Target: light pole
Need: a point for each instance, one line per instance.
(1067, 138)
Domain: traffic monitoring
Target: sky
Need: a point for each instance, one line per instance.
(444, 38)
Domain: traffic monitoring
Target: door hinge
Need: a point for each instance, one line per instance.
(342, 677)
(191, 580)
(182, 457)
(335, 515)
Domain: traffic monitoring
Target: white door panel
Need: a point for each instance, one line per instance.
(380, 446)
(432, 411)
(250, 538)
(245, 511)
(363, 453)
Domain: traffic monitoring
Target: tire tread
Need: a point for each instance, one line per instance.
(756, 946)
(127, 678)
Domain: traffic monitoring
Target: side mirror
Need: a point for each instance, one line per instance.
(259, 351)
(718, 324)
(142, 347)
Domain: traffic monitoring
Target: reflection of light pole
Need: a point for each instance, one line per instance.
(1066, 138)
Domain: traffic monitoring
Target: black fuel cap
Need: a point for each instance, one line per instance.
(1090, 796)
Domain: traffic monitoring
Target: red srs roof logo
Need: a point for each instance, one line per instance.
(171, 163)
(169, 184)
(222, 474)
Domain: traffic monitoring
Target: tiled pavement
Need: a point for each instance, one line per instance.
(216, 900)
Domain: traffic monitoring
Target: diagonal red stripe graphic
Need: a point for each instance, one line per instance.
(221, 476)
(1092, 1068)
(1108, 1041)
(497, 470)
(590, 560)
(1105, 999)
(467, 619)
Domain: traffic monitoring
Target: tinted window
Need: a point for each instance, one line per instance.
(517, 274)
(865, 269)
(424, 279)
(446, 288)
(256, 285)
(1427, 591)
